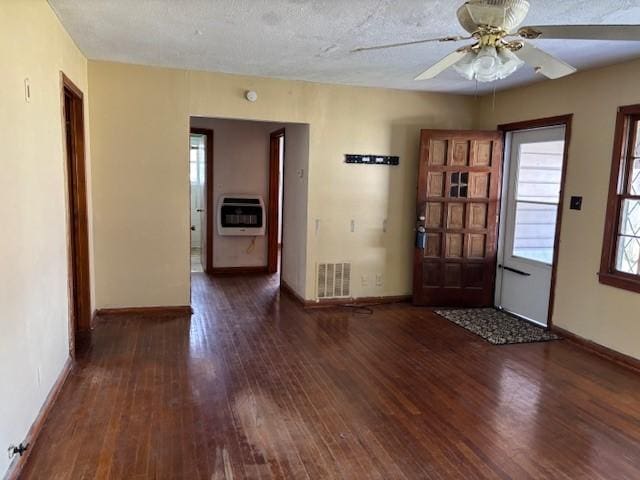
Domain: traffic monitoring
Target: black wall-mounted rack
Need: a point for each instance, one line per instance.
(372, 159)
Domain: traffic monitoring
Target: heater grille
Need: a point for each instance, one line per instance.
(334, 280)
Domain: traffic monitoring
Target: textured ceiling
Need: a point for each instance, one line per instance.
(311, 39)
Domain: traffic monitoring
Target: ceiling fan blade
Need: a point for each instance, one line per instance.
(442, 65)
(582, 32)
(544, 63)
(455, 38)
(483, 14)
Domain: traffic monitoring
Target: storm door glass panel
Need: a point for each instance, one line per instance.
(537, 196)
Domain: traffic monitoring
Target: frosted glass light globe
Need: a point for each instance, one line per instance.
(486, 61)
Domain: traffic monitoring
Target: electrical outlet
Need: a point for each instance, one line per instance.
(364, 280)
(353, 226)
(378, 279)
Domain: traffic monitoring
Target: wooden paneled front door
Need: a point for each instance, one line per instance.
(457, 209)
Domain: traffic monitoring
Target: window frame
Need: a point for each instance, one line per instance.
(621, 165)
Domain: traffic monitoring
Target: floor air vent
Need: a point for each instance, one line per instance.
(334, 280)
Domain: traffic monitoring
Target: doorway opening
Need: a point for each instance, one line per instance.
(201, 199)
(533, 187)
(276, 200)
(78, 236)
(255, 212)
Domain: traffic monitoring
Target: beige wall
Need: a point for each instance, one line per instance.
(600, 313)
(33, 250)
(139, 123)
(140, 187)
(294, 221)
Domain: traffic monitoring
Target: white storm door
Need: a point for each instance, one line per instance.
(528, 229)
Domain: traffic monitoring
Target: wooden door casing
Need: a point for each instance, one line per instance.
(458, 204)
(78, 225)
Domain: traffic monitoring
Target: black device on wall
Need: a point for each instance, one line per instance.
(241, 215)
(372, 159)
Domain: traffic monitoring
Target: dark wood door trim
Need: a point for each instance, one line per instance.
(558, 120)
(209, 202)
(273, 205)
(561, 120)
(78, 224)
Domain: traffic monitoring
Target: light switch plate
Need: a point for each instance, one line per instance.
(575, 203)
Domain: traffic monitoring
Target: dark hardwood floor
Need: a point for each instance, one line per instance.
(252, 386)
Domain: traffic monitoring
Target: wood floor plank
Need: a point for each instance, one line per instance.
(252, 386)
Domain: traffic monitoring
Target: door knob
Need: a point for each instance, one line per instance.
(200, 210)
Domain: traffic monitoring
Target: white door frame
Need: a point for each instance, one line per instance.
(507, 129)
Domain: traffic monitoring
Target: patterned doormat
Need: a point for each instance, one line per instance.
(497, 327)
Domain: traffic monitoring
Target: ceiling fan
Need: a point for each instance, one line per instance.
(499, 49)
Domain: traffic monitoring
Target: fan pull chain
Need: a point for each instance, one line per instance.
(493, 106)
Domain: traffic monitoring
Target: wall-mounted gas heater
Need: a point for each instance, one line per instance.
(241, 215)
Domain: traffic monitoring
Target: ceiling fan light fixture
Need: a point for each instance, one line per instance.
(495, 55)
(510, 62)
(465, 66)
(488, 64)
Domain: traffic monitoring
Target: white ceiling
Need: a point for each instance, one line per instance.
(311, 39)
